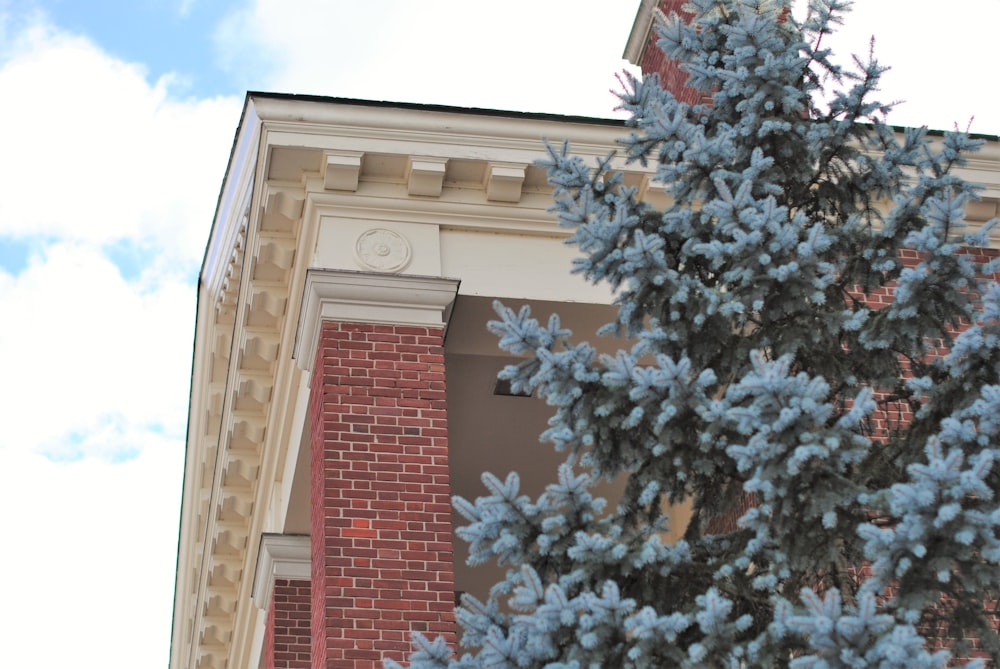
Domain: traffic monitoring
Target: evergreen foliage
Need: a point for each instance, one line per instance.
(758, 363)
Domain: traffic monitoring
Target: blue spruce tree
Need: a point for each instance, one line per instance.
(756, 367)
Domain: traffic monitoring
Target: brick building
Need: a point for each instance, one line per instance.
(343, 381)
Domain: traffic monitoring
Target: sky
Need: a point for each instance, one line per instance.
(116, 120)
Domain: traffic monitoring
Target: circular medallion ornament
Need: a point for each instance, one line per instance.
(382, 250)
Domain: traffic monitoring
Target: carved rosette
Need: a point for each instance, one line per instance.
(382, 250)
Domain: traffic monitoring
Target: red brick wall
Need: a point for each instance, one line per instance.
(288, 641)
(381, 507)
(896, 415)
(672, 77)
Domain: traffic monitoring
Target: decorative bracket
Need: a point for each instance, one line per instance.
(341, 171)
(425, 176)
(504, 182)
(280, 556)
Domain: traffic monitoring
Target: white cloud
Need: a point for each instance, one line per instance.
(95, 153)
(111, 182)
(88, 558)
(98, 166)
(525, 56)
(561, 56)
(93, 361)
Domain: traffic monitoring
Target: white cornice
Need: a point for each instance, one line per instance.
(233, 199)
(332, 124)
(642, 27)
(361, 297)
(280, 556)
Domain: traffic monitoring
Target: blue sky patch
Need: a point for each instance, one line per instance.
(124, 454)
(15, 253)
(106, 440)
(183, 42)
(130, 257)
(71, 448)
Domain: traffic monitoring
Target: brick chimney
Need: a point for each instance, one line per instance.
(641, 50)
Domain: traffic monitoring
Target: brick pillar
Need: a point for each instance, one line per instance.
(281, 588)
(381, 511)
(651, 60)
(381, 532)
(288, 642)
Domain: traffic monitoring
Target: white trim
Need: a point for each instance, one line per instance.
(257, 638)
(642, 26)
(235, 199)
(504, 182)
(425, 175)
(342, 170)
(362, 297)
(280, 556)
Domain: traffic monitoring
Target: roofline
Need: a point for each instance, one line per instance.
(501, 113)
(225, 179)
(417, 106)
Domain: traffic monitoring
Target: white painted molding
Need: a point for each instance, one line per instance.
(382, 250)
(642, 26)
(281, 212)
(362, 297)
(504, 182)
(280, 556)
(982, 210)
(425, 176)
(342, 170)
